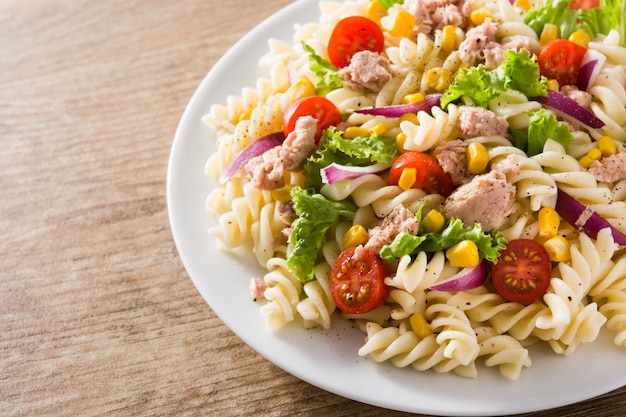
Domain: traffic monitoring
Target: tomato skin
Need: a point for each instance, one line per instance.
(351, 35)
(430, 176)
(561, 59)
(584, 4)
(523, 271)
(358, 285)
(320, 108)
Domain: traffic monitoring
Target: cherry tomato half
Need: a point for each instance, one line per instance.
(561, 59)
(351, 35)
(357, 281)
(320, 108)
(523, 271)
(584, 4)
(429, 176)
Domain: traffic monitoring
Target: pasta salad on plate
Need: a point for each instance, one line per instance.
(448, 175)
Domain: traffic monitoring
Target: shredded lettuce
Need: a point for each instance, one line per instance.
(609, 15)
(387, 4)
(542, 126)
(519, 71)
(326, 74)
(489, 244)
(316, 214)
(358, 151)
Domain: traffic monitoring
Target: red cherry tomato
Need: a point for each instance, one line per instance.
(429, 176)
(584, 4)
(523, 271)
(561, 59)
(357, 281)
(351, 35)
(320, 108)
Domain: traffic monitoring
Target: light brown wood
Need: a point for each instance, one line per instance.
(97, 314)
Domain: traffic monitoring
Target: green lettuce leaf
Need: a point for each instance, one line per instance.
(326, 74)
(358, 151)
(388, 3)
(316, 214)
(489, 244)
(542, 126)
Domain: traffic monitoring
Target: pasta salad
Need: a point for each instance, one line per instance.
(450, 175)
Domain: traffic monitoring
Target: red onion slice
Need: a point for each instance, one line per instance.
(336, 172)
(592, 63)
(584, 219)
(398, 110)
(466, 279)
(254, 149)
(568, 107)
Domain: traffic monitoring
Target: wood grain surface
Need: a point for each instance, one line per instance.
(97, 314)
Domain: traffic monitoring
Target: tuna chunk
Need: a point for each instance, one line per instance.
(478, 121)
(581, 97)
(367, 71)
(399, 220)
(476, 40)
(435, 14)
(257, 288)
(266, 170)
(299, 144)
(611, 168)
(486, 200)
(451, 156)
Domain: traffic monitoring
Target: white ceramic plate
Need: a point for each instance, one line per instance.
(328, 358)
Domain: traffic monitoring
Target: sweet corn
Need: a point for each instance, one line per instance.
(580, 37)
(355, 236)
(463, 255)
(420, 326)
(595, 154)
(379, 129)
(355, 131)
(477, 157)
(585, 161)
(301, 88)
(558, 249)
(607, 146)
(553, 85)
(245, 115)
(375, 11)
(400, 24)
(438, 78)
(282, 194)
(407, 178)
(549, 222)
(433, 221)
(549, 33)
(400, 139)
(448, 38)
(413, 98)
(479, 15)
(523, 4)
(410, 117)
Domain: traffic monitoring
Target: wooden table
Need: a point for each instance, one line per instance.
(97, 314)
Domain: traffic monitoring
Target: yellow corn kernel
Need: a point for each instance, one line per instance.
(375, 11)
(301, 88)
(409, 117)
(355, 131)
(558, 249)
(549, 33)
(477, 157)
(523, 4)
(553, 84)
(433, 221)
(607, 146)
(282, 194)
(595, 154)
(400, 24)
(463, 255)
(407, 178)
(400, 139)
(245, 115)
(549, 222)
(448, 38)
(420, 326)
(585, 161)
(479, 15)
(355, 236)
(413, 98)
(581, 38)
(438, 78)
(378, 130)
